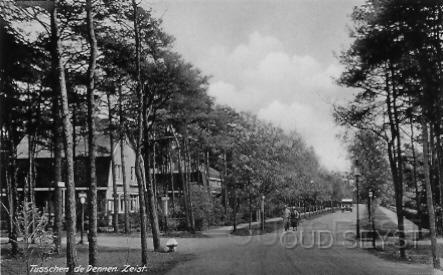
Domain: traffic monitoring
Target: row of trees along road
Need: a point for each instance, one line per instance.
(395, 62)
(83, 68)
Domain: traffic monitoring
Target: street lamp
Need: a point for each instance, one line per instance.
(357, 175)
(82, 196)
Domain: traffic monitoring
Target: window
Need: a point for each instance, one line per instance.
(118, 170)
(111, 206)
(132, 173)
(133, 203)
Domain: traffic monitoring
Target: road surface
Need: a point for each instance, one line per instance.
(274, 254)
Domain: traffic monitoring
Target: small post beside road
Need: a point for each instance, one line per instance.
(82, 196)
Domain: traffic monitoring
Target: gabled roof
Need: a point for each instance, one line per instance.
(213, 173)
(45, 172)
(81, 147)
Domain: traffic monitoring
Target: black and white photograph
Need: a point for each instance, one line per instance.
(221, 137)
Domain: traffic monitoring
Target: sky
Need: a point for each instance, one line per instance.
(274, 58)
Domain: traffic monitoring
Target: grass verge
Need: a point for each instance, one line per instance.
(387, 247)
(256, 229)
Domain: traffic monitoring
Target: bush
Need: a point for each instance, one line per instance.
(202, 206)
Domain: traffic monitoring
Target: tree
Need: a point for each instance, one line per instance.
(122, 156)
(114, 171)
(139, 136)
(58, 65)
(92, 236)
(395, 57)
(429, 199)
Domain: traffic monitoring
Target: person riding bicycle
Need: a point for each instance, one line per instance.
(294, 217)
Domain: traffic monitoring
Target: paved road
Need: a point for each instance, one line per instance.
(329, 254)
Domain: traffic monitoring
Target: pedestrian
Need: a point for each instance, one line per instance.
(295, 217)
(286, 214)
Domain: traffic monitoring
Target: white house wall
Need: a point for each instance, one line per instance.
(131, 180)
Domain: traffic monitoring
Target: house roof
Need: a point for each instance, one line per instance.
(213, 173)
(81, 147)
(45, 171)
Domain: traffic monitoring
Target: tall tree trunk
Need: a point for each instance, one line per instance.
(234, 210)
(151, 191)
(182, 171)
(58, 159)
(414, 175)
(92, 236)
(369, 209)
(207, 168)
(151, 198)
(439, 164)
(171, 173)
(71, 252)
(29, 194)
(12, 175)
(74, 133)
(27, 185)
(142, 206)
(58, 166)
(113, 167)
(399, 196)
(188, 181)
(208, 187)
(433, 176)
(155, 169)
(225, 186)
(138, 160)
(27, 188)
(184, 185)
(150, 188)
(395, 158)
(250, 204)
(123, 161)
(429, 200)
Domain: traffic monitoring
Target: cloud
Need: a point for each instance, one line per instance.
(316, 128)
(290, 90)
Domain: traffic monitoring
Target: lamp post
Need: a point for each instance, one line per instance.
(263, 213)
(82, 196)
(357, 175)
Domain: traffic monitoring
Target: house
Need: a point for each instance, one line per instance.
(214, 178)
(44, 175)
(45, 185)
(198, 176)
